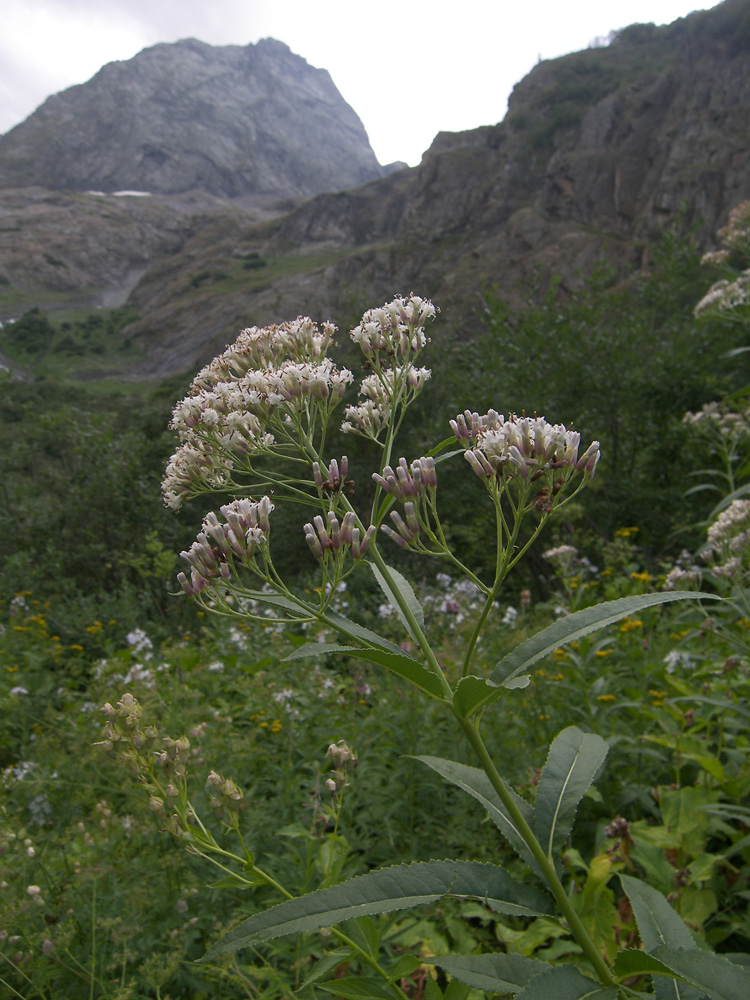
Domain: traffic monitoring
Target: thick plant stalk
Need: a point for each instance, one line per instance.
(545, 863)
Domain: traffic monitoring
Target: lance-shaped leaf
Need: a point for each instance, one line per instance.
(275, 601)
(399, 663)
(658, 924)
(354, 631)
(401, 586)
(574, 760)
(679, 973)
(712, 974)
(565, 982)
(581, 623)
(358, 988)
(498, 973)
(383, 891)
(477, 784)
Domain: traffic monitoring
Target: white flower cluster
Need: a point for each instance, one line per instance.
(724, 296)
(267, 373)
(718, 416)
(378, 391)
(265, 347)
(685, 574)
(396, 328)
(520, 446)
(736, 233)
(729, 540)
(562, 552)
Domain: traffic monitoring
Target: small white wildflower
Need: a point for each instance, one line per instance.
(510, 617)
(675, 659)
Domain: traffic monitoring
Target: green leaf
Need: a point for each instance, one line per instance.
(565, 982)
(364, 932)
(473, 693)
(477, 784)
(718, 978)
(383, 891)
(497, 973)
(403, 587)
(404, 967)
(233, 882)
(579, 624)
(358, 988)
(355, 631)
(275, 600)
(574, 760)
(456, 991)
(326, 964)
(658, 924)
(667, 984)
(399, 663)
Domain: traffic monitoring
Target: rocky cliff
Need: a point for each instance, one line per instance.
(599, 151)
(228, 120)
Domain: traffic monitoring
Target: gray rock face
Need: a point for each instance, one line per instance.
(229, 120)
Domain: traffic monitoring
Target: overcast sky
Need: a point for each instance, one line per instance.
(409, 68)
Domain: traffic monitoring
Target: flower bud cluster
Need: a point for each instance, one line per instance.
(244, 532)
(406, 533)
(344, 761)
(336, 480)
(415, 486)
(524, 447)
(225, 796)
(123, 735)
(396, 328)
(408, 481)
(136, 747)
(337, 537)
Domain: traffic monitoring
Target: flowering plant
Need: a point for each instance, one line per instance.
(255, 423)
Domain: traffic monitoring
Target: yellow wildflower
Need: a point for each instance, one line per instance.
(604, 652)
(630, 623)
(606, 697)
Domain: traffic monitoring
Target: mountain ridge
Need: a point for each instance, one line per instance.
(230, 120)
(599, 152)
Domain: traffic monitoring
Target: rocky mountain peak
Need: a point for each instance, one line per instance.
(230, 120)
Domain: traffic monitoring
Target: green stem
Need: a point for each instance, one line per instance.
(545, 863)
(414, 625)
(93, 942)
(339, 935)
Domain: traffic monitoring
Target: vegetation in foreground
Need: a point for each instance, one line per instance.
(663, 688)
